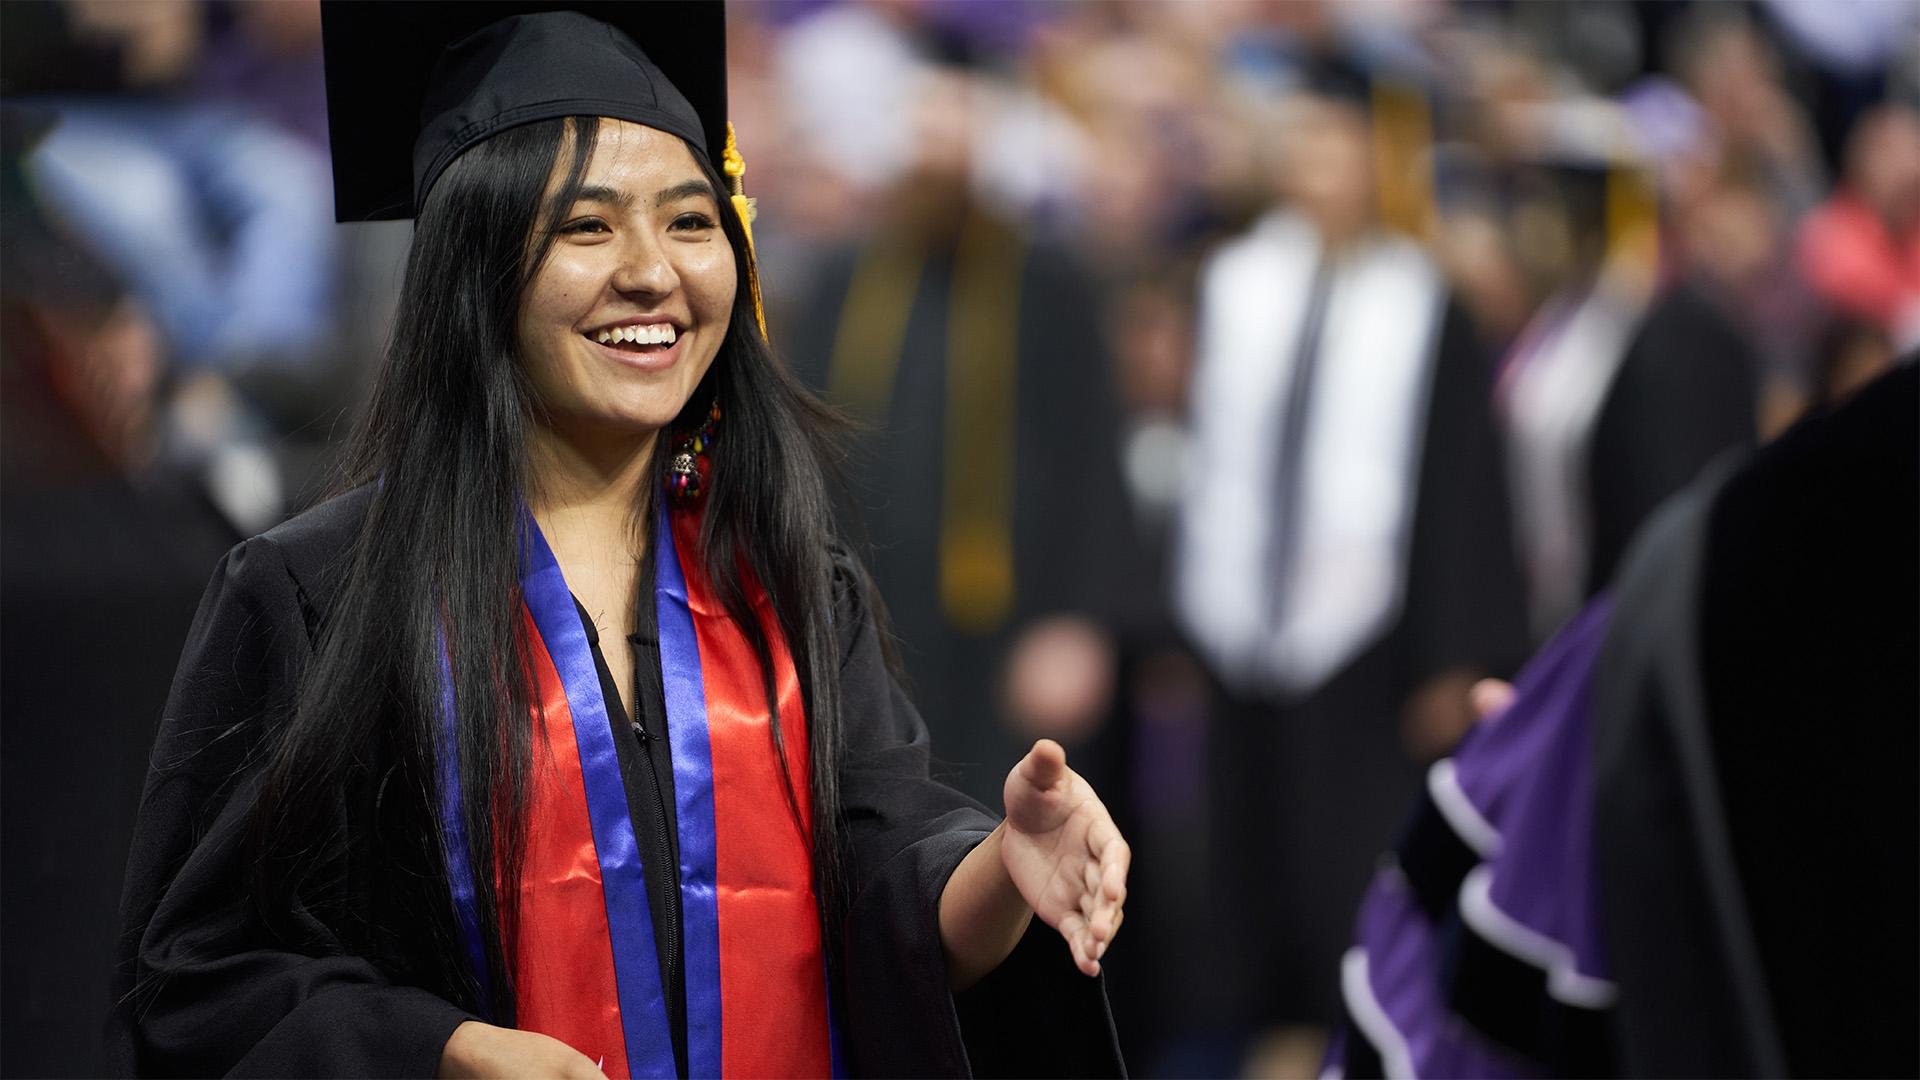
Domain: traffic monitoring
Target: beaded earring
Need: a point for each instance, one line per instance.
(686, 476)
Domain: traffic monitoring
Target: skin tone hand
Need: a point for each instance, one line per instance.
(1490, 696)
(1058, 855)
(1060, 679)
(1437, 714)
(482, 1050)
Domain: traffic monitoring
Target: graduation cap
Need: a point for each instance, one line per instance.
(1400, 123)
(411, 85)
(1586, 152)
(1335, 76)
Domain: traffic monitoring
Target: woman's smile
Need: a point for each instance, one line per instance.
(649, 344)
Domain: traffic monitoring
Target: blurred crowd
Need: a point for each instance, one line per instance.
(1239, 381)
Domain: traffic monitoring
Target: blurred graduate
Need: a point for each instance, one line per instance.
(1343, 559)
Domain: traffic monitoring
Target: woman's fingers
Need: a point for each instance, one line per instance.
(1109, 849)
(1079, 943)
(1088, 860)
(1084, 956)
(1100, 950)
(1044, 765)
(1115, 861)
(1105, 880)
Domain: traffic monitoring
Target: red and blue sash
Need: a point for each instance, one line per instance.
(584, 962)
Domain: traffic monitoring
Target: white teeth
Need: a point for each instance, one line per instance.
(648, 334)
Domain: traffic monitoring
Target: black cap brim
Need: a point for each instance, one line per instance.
(381, 56)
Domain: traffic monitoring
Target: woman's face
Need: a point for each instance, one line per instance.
(623, 319)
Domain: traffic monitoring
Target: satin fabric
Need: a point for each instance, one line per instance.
(771, 964)
(583, 956)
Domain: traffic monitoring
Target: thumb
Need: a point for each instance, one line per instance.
(1045, 765)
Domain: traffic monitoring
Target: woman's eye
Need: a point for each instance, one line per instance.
(692, 221)
(585, 226)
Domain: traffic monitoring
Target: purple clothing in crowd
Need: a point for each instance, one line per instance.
(1486, 922)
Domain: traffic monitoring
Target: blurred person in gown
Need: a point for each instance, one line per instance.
(1621, 387)
(1343, 562)
(988, 475)
(1645, 861)
(103, 554)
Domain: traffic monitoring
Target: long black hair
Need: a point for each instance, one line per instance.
(434, 577)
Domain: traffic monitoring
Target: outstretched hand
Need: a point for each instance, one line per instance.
(1064, 853)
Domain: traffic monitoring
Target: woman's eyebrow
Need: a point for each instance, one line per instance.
(624, 200)
(601, 194)
(687, 189)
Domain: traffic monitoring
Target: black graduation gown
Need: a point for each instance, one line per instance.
(1684, 394)
(1306, 792)
(203, 988)
(100, 578)
(1749, 713)
(1074, 547)
(1757, 727)
(101, 564)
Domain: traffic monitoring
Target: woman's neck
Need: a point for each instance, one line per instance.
(588, 489)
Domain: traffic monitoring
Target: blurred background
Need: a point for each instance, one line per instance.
(1240, 380)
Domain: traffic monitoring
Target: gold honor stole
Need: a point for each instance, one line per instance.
(583, 959)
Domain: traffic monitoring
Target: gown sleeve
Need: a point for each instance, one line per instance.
(202, 986)
(1035, 1015)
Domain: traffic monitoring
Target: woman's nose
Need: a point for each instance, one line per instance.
(644, 268)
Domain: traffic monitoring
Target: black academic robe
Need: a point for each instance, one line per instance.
(204, 988)
(1074, 547)
(1684, 394)
(1734, 735)
(1306, 791)
(1756, 737)
(100, 578)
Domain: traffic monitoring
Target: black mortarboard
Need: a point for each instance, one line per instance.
(410, 85)
(1337, 77)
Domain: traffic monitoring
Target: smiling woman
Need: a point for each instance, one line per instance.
(519, 757)
(630, 306)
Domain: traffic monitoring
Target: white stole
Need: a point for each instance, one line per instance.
(1550, 394)
(1365, 424)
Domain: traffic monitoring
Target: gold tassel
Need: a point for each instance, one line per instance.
(1633, 225)
(735, 167)
(1402, 165)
